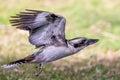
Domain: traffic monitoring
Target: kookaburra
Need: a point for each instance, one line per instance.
(48, 30)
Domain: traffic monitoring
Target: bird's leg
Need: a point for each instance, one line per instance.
(40, 67)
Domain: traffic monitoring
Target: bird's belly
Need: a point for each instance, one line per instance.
(55, 53)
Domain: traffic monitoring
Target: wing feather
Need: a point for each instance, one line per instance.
(45, 28)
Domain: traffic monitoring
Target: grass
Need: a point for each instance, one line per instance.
(93, 19)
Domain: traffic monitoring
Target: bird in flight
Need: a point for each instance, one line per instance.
(46, 30)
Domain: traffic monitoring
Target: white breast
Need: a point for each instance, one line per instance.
(52, 53)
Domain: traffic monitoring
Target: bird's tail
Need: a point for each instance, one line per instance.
(18, 62)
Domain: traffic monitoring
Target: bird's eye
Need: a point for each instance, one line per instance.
(76, 45)
(82, 42)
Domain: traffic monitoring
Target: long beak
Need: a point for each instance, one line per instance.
(91, 41)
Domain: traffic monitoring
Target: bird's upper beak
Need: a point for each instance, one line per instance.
(91, 41)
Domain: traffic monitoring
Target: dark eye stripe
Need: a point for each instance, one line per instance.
(82, 42)
(76, 45)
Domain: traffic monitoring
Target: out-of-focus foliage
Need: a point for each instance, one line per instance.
(88, 18)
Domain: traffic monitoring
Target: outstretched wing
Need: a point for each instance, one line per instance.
(44, 28)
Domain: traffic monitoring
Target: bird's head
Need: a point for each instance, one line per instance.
(81, 42)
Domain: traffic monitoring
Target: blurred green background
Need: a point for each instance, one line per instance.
(87, 18)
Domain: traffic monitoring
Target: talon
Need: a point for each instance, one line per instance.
(39, 70)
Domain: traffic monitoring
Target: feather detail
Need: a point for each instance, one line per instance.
(45, 28)
(18, 62)
(24, 18)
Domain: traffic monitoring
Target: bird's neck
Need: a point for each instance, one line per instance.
(70, 46)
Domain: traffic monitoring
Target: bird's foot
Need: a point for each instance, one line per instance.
(39, 70)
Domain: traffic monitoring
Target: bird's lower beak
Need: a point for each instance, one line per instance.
(91, 41)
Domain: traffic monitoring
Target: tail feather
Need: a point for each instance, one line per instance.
(18, 62)
(14, 63)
